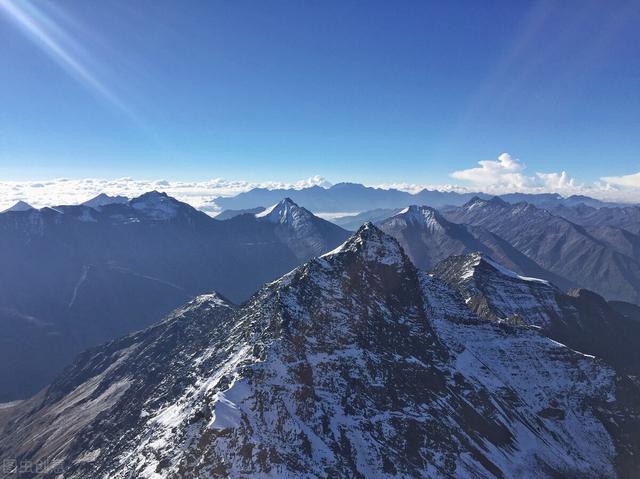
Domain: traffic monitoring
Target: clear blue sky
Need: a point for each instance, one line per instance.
(280, 90)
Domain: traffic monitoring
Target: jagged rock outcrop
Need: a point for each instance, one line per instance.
(355, 364)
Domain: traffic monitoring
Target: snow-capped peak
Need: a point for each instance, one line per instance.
(476, 201)
(213, 300)
(496, 293)
(478, 260)
(157, 205)
(287, 212)
(420, 215)
(104, 199)
(372, 245)
(20, 206)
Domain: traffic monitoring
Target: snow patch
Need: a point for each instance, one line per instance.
(419, 215)
(88, 456)
(226, 406)
(372, 245)
(156, 205)
(511, 274)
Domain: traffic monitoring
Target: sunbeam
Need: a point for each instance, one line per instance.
(60, 47)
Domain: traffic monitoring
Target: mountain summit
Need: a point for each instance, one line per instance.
(371, 245)
(104, 199)
(19, 206)
(306, 234)
(354, 364)
(285, 212)
(159, 206)
(429, 238)
(421, 215)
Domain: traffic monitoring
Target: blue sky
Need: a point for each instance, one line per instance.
(378, 92)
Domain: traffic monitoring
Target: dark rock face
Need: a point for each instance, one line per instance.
(76, 276)
(354, 221)
(228, 214)
(355, 364)
(628, 310)
(619, 217)
(560, 246)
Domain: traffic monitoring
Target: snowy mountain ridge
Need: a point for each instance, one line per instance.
(300, 229)
(157, 205)
(493, 291)
(372, 245)
(353, 365)
(591, 259)
(420, 215)
(76, 276)
(476, 260)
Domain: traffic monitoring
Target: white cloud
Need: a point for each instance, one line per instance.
(507, 175)
(557, 181)
(414, 188)
(632, 181)
(313, 181)
(505, 172)
(198, 194)
(504, 175)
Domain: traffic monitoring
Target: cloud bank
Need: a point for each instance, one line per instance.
(630, 181)
(506, 174)
(199, 194)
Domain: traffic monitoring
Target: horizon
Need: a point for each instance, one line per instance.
(204, 200)
(401, 95)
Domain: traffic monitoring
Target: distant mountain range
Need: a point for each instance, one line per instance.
(356, 198)
(428, 238)
(603, 260)
(76, 276)
(353, 365)
(623, 217)
(571, 246)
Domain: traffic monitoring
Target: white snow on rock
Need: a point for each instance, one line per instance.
(373, 246)
(286, 212)
(544, 375)
(156, 205)
(418, 215)
(345, 369)
(534, 301)
(508, 272)
(226, 406)
(212, 298)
